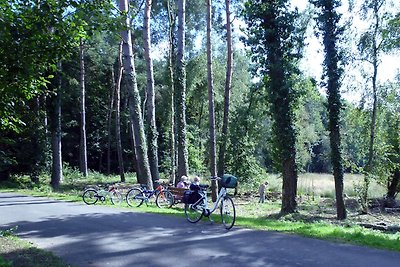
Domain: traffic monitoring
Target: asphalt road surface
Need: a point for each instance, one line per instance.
(105, 236)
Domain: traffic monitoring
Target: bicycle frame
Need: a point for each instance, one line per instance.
(204, 201)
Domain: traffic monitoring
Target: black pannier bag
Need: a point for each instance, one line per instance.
(190, 197)
(228, 181)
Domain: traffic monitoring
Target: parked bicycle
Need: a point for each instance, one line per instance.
(196, 202)
(137, 195)
(91, 195)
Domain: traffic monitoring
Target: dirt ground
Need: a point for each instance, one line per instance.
(324, 210)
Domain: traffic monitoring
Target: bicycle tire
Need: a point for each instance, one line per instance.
(228, 212)
(135, 197)
(90, 196)
(164, 199)
(116, 197)
(193, 215)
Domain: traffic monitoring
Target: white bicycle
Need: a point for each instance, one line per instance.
(195, 211)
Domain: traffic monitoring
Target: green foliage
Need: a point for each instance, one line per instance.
(310, 120)
(5, 263)
(8, 232)
(391, 34)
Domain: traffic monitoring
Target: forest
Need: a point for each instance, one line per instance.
(164, 88)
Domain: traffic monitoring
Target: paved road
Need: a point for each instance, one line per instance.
(104, 236)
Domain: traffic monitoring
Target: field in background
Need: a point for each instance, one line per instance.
(321, 184)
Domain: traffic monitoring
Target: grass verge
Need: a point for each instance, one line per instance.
(16, 252)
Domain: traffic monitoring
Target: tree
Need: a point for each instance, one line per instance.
(328, 20)
(151, 116)
(171, 26)
(56, 170)
(134, 100)
(274, 40)
(82, 147)
(118, 115)
(370, 46)
(211, 107)
(180, 93)
(228, 86)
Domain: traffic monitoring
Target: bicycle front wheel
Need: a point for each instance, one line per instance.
(164, 199)
(135, 197)
(193, 213)
(228, 212)
(116, 197)
(90, 196)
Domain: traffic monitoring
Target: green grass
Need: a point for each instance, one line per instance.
(16, 252)
(249, 214)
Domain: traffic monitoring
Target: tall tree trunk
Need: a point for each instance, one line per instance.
(331, 32)
(109, 120)
(370, 163)
(211, 107)
(152, 133)
(180, 89)
(134, 101)
(171, 20)
(228, 86)
(118, 116)
(275, 21)
(83, 149)
(56, 172)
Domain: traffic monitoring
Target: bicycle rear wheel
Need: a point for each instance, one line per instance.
(116, 197)
(228, 212)
(164, 199)
(193, 213)
(135, 197)
(90, 196)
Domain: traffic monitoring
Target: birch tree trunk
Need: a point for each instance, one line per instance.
(228, 87)
(152, 133)
(56, 172)
(134, 101)
(171, 21)
(376, 6)
(180, 90)
(83, 148)
(211, 107)
(118, 116)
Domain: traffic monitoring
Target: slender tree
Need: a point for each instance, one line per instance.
(83, 148)
(227, 95)
(118, 115)
(134, 100)
(211, 106)
(171, 26)
(370, 46)
(152, 133)
(328, 21)
(109, 119)
(180, 93)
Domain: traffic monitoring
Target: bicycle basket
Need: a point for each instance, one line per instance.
(229, 181)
